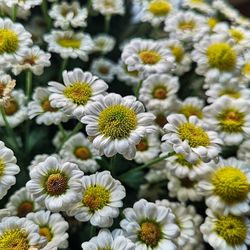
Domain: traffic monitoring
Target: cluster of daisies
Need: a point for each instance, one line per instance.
(164, 166)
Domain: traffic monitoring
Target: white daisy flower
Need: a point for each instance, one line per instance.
(245, 70)
(53, 227)
(101, 199)
(107, 240)
(117, 124)
(8, 169)
(109, 7)
(103, 43)
(55, 185)
(33, 59)
(21, 203)
(150, 226)
(15, 109)
(14, 40)
(159, 90)
(103, 68)
(243, 152)
(66, 15)
(226, 188)
(69, 44)
(20, 12)
(79, 150)
(147, 56)
(230, 118)
(78, 89)
(26, 4)
(6, 86)
(41, 108)
(191, 138)
(199, 5)
(226, 232)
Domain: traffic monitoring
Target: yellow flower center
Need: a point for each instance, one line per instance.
(24, 208)
(159, 7)
(96, 197)
(230, 184)
(187, 25)
(30, 60)
(178, 53)
(181, 160)
(14, 239)
(231, 93)
(150, 233)
(149, 57)
(143, 145)
(195, 135)
(117, 121)
(189, 110)
(187, 183)
(9, 41)
(108, 3)
(66, 10)
(212, 22)
(46, 232)
(11, 107)
(237, 35)
(160, 92)
(161, 120)
(78, 92)
(82, 153)
(56, 184)
(231, 120)
(246, 69)
(104, 70)
(47, 107)
(232, 229)
(69, 43)
(134, 73)
(221, 56)
(197, 1)
(2, 167)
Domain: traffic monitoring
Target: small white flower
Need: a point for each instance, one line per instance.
(245, 70)
(109, 7)
(55, 185)
(103, 43)
(199, 5)
(26, 4)
(101, 199)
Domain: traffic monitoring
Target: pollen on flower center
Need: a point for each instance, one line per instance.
(11, 107)
(46, 232)
(117, 121)
(221, 56)
(47, 107)
(104, 70)
(150, 233)
(183, 162)
(189, 110)
(231, 120)
(2, 167)
(24, 208)
(82, 153)
(56, 184)
(159, 7)
(232, 229)
(197, 1)
(187, 25)
(69, 43)
(9, 41)
(160, 92)
(30, 60)
(143, 145)
(195, 135)
(246, 69)
(178, 53)
(149, 57)
(14, 239)
(161, 120)
(212, 22)
(230, 184)
(96, 197)
(78, 92)
(237, 35)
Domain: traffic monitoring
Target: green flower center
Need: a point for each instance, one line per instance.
(178, 53)
(9, 41)
(117, 121)
(230, 184)
(187, 25)
(2, 167)
(11, 107)
(47, 107)
(78, 92)
(69, 43)
(221, 56)
(181, 160)
(231, 93)
(24, 208)
(56, 184)
(195, 135)
(189, 110)
(14, 239)
(237, 35)
(160, 92)
(82, 153)
(143, 145)
(232, 229)
(149, 57)
(159, 7)
(96, 197)
(46, 232)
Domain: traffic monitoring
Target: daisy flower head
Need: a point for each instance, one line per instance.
(14, 40)
(245, 70)
(41, 108)
(6, 86)
(55, 185)
(21, 203)
(33, 59)
(230, 118)
(27, 4)
(79, 150)
(226, 232)
(159, 90)
(226, 188)
(8, 169)
(19, 233)
(150, 226)
(199, 5)
(191, 138)
(103, 43)
(70, 44)
(147, 57)
(21, 12)
(67, 15)
(109, 240)
(53, 227)
(109, 7)
(101, 199)
(243, 152)
(117, 124)
(78, 89)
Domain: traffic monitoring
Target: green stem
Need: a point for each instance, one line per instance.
(63, 67)
(92, 231)
(113, 165)
(137, 89)
(89, 6)
(62, 130)
(14, 13)
(28, 84)
(45, 14)
(107, 23)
